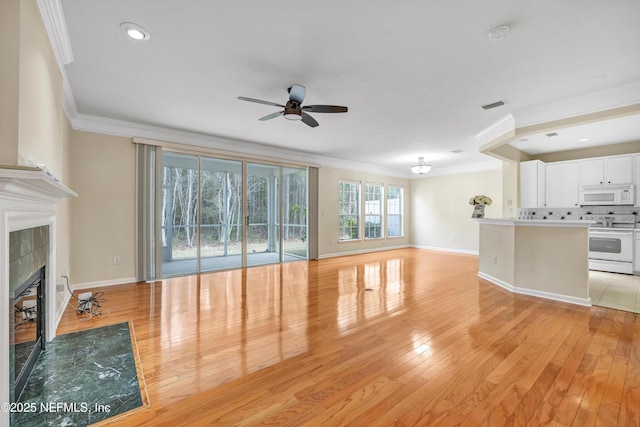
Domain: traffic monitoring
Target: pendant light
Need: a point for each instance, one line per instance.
(421, 168)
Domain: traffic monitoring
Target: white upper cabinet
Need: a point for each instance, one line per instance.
(618, 170)
(636, 160)
(532, 183)
(563, 185)
(606, 170)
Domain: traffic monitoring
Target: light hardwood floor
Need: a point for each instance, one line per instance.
(403, 337)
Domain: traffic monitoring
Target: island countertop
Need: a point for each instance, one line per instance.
(537, 222)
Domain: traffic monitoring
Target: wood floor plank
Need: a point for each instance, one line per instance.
(304, 343)
(630, 409)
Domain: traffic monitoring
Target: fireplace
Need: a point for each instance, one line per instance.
(28, 328)
(28, 197)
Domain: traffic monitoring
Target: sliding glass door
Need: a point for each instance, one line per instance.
(179, 214)
(221, 214)
(295, 220)
(263, 203)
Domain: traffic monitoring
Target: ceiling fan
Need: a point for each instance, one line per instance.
(294, 110)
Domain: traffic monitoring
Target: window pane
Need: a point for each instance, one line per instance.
(373, 211)
(179, 214)
(221, 214)
(394, 211)
(295, 208)
(348, 210)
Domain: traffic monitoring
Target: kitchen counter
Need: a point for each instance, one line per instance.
(543, 258)
(538, 222)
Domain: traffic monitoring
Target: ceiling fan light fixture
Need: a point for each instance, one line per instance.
(135, 31)
(292, 114)
(421, 168)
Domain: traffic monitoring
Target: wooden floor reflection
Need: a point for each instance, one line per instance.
(410, 336)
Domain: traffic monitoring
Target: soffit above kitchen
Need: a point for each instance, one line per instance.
(619, 130)
(413, 74)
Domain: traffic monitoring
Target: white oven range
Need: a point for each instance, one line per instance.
(611, 243)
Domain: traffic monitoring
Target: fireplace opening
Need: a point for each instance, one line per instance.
(29, 328)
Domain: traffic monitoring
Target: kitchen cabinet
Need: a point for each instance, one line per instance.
(606, 170)
(636, 259)
(562, 189)
(532, 184)
(636, 163)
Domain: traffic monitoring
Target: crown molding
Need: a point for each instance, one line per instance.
(599, 101)
(56, 26)
(488, 165)
(96, 124)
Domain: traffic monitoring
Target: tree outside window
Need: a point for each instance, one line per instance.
(373, 211)
(348, 210)
(394, 211)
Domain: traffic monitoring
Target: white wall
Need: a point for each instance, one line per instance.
(34, 127)
(440, 210)
(328, 245)
(103, 214)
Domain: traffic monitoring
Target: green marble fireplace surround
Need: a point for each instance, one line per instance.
(28, 253)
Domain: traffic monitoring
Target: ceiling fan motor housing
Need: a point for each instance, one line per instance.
(292, 111)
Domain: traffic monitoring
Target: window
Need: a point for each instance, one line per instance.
(348, 210)
(394, 211)
(372, 211)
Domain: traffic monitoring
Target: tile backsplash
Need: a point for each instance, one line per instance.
(575, 213)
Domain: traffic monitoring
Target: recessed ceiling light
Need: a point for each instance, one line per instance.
(583, 139)
(135, 31)
(499, 33)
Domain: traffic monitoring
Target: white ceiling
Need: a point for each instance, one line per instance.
(413, 74)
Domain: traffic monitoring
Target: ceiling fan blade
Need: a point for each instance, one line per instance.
(308, 120)
(297, 93)
(259, 101)
(325, 108)
(271, 116)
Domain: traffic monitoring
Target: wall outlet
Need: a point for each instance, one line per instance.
(84, 296)
(495, 259)
(116, 260)
(60, 287)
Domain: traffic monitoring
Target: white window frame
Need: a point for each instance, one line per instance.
(400, 215)
(367, 207)
(343, 234)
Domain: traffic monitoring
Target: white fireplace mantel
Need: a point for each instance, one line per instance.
(28, 185)
(28, 197)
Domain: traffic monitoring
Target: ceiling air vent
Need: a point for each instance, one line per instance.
(552, 134)
(457, 151)
(494, 105)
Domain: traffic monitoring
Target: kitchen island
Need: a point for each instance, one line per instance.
(543, 258)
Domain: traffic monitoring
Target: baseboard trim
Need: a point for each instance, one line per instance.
(102, 283)
(540, 294)
(61, 309)
(451, 250)
(362, 251)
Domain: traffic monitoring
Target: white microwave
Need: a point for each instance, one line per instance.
(608, 195)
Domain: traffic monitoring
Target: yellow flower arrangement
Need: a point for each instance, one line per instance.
(480, 200)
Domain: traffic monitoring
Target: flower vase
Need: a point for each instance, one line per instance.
(478, 211)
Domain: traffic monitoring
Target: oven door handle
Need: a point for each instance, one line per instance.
(611, 233)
